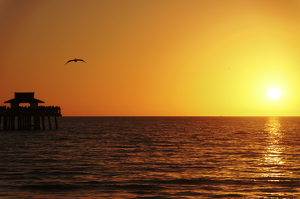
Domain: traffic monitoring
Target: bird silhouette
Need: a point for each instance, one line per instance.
(75, 60)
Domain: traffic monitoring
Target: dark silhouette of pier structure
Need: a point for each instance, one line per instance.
(27, 117)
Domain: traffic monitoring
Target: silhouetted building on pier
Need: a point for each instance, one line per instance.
(24, 118)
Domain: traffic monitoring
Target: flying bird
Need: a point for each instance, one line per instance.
(75, 60)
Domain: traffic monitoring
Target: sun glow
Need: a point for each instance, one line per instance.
(274, 93)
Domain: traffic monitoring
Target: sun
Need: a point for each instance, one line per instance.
(274, 93)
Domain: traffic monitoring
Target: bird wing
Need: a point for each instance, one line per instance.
(70, 60)
(80, 60)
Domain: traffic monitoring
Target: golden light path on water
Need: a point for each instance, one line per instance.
(274, 157)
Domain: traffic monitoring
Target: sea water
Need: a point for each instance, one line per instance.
(154, 157)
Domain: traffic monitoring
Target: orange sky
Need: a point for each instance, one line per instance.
(153, 57)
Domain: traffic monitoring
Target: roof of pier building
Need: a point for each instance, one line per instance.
(27, 97)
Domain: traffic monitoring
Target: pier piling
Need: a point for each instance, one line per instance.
(49, 122)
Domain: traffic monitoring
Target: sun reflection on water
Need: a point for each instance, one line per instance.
(273, 154)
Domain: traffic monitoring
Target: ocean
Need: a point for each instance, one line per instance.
(154, 157)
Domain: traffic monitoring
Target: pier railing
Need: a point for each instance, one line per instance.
(29, 111)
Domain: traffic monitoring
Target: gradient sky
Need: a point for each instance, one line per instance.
(153, 57)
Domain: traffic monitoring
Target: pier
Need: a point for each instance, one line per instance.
(31, 117)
